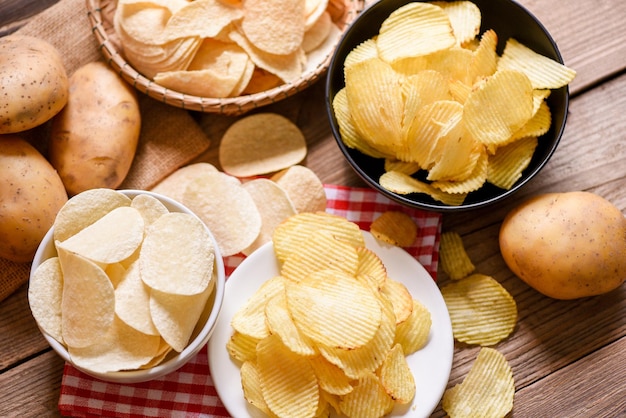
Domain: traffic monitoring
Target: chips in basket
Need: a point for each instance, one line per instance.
(457, 114)
(331, 331)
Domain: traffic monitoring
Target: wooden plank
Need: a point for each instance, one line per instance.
(15, 13)
(34, 388)
(579, 397)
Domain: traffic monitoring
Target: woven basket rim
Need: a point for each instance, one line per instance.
(231, 105)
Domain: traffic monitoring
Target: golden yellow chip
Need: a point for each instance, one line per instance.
(251, 385)
(487, 390)
(289, 386)
(400, 299)
(88, 300)
(499, 107)
(363, 51)
(474, 181)
(250, 319)
(45, 292)
(290, 235)
(368, 399)
(455, 156)
(538, 125)
(485, 61)
(452, 255)
(320, 251)
(465, 18)
(242, 347)
(481, 310)
(543, 72)
(505, 167)
(395, 228)
(330, 377)
(403, 184)
(401, 166)
(413, 30)
(371, 268)
(280, 323)
(333, 308)
(274, 206)
(304, 188)
(260, 144)
(396, 376)
(413, 334)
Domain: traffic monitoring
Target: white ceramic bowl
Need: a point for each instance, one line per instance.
(200, 335)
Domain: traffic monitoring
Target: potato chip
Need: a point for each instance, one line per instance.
(289, 236)
(414, 29)
(119, 348)
(276, 27)
(330, 377)
(87, 302)
(454, 259)
(457, 158)
(228, 210)
(45, 291)
(110, 239)
(274, 206)
(371, 268)
(304, 188)
(488, 389)
(413, 334)
(149, 207)
(465, 18)
(505, 167)
(320, 251)
(485, 61)
(481, 310)
(395, 228)
(332, 308)
(499, 107)
(260, 144)
(405, 167)
(400, 299)
(362, 52)
(317, 33)
(175, 316)
(538, 125)
(543, 72)
(280, 323)
(176, 263)
(184, 22)
(289, 386)
(242, 347)
(313, 11)
(251, 385)
(396, 376)
(132, 301)
(162, 352)
(174, 185)
(473, 182)
(84, 209)
(403, 184)
(250, 319)
(368, 399)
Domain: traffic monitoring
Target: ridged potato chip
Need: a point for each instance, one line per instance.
(396, 376)
(413, 333)
(487, 390)
(368, 399)
(371, 268)
(280, 322)
(400, 299)
(250, 319)
(251, 385)
(465, 18)
(401, 183)
(330, 377)
(505, 167)
(242, 347)
(481, 310)
(453, 257)
(395, 228)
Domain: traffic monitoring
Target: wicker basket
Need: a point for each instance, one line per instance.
(100, 13)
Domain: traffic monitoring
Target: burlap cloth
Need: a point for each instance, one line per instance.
(170, 137)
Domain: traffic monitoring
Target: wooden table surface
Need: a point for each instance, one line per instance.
(568, 357)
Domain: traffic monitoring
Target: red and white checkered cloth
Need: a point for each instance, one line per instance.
(189, 391)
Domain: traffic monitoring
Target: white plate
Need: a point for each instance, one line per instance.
(431, 365)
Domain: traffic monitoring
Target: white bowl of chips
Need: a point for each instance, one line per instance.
(220, 56)
(127, 286)
(470, 102)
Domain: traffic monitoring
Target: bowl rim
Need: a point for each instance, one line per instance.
(194, 346)
(426, 205)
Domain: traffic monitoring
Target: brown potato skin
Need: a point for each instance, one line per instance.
(94, 138)
(566, 245)
(31, 195)
(33, 83)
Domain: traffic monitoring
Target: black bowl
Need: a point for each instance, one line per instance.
(509, 20)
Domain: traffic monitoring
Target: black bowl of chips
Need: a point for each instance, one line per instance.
(447, 106)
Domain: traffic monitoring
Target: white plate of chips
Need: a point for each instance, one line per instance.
(430, 365)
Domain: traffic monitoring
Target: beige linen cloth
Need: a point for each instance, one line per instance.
(170, 137)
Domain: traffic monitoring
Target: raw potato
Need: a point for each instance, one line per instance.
(94, 139)
(31, 194)
(566, 245)
(33, 83)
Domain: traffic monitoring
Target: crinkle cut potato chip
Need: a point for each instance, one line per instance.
(481, 310)
(368, 399)
(262, 143)
(395, 228)
(177, 263)
(250, 319)
(396, 376)
(444, 100)
(454, 259)
(487, 390)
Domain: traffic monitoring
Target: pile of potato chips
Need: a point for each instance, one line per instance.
(224, 48)
(434, 99)
(331, 331)
(126, 286)
(482, 312)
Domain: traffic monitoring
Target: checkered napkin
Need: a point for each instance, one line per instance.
(189, 391)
